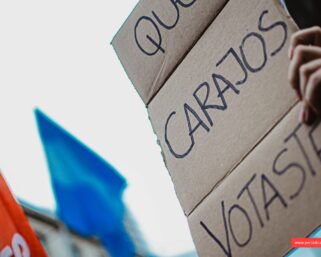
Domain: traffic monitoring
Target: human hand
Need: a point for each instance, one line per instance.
(305, 71)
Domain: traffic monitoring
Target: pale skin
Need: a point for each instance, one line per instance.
(305, 72)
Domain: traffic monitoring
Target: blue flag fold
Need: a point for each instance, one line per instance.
(88, 190)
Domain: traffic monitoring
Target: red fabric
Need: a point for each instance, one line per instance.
(17, 238)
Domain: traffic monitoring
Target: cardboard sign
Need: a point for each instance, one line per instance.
(246, 173)
(224, 97)
(270, 198)
(17, 238)
(156, 37)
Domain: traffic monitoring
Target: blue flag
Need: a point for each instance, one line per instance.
(87, 189)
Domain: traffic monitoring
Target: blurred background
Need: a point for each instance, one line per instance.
(56, 56)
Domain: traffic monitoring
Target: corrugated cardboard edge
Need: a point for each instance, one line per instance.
(152, 95)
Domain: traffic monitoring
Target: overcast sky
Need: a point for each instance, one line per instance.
(56, 55)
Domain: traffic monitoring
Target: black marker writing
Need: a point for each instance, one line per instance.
(232, 52)
(275, 196)
(145, 39)
(291, 167)
(155, 43)
(226, 249)
(247, 64)
(223, 85)
(279, 24)
(246, 188)
(294, 135)
(237, 219)
(243, 212)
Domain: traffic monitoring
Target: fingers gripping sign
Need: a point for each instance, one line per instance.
(305, 71)
(310, 36)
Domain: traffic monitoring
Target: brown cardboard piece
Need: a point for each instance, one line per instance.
(271, 197)
(244, 169)
(239, 70)
(148, 51)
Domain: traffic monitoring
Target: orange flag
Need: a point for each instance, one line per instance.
(17, 239)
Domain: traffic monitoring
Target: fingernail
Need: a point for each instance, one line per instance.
(303, 115)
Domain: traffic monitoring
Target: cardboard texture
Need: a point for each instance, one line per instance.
(157, 35)
(271, 197)
(246, 173)
(227, 93)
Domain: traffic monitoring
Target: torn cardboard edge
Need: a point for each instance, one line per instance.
(147, 70)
